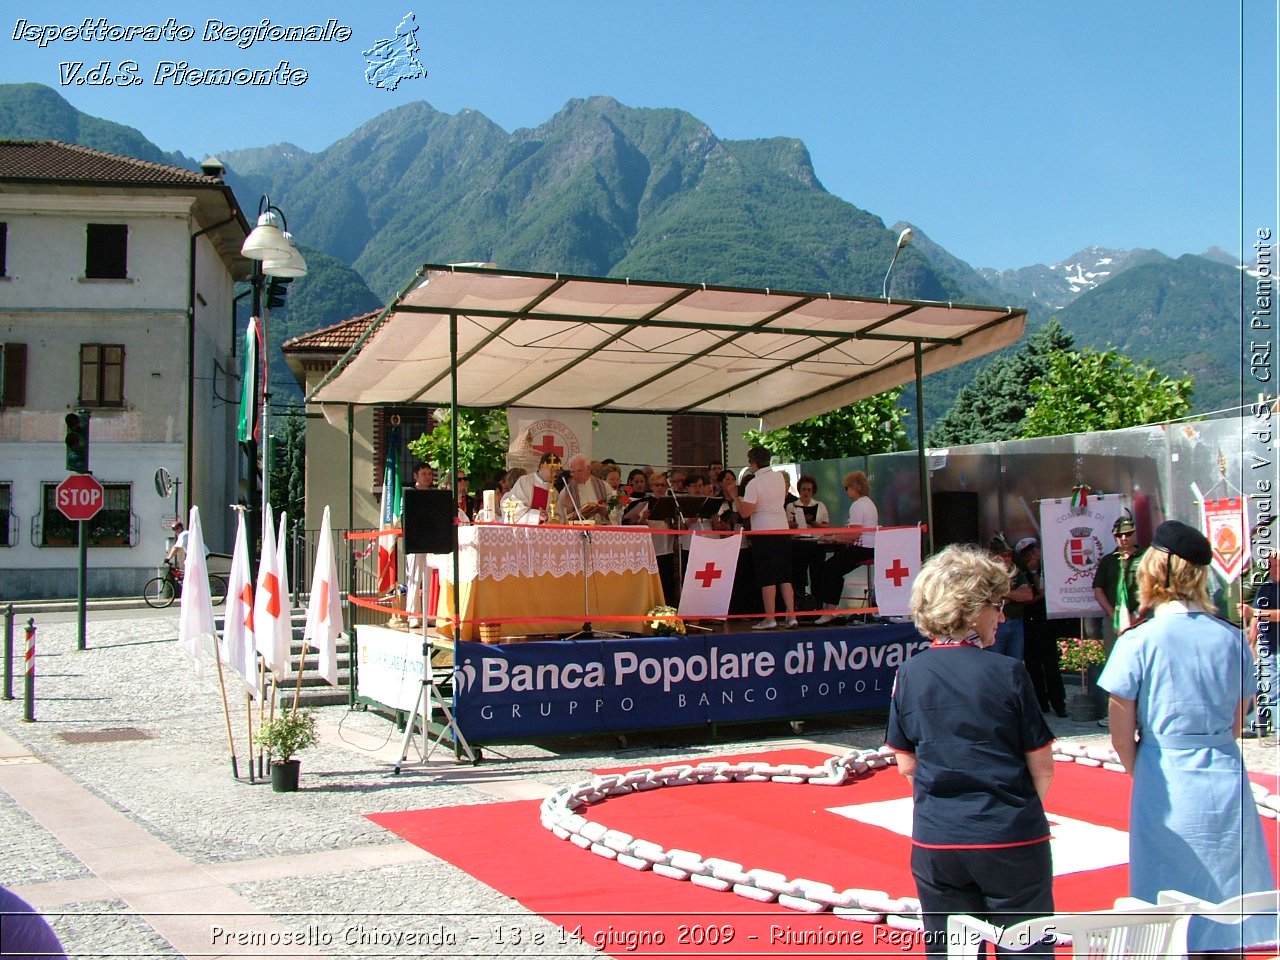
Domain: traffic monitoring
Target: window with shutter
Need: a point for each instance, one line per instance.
(102, 374)
(694, 440)
(13, 375)
(106, 255)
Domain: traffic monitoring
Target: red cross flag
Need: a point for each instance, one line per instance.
(237, 647)
(271, 626)
(708, 579)
(897, 562)
(1225, 527)
(324, 609)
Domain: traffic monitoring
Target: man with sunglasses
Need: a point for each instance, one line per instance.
(1115, 582)
(1115, 585)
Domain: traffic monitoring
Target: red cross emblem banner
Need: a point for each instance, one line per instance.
(1225, 526)
(897, 562)
(1074, 537)
(708, 579)
(535, 431)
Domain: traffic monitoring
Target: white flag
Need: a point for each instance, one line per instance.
(195, 619)
(708, 580)
(897, 563)
(270, 611)
(237, 647)
(324, 608)
(282, 567)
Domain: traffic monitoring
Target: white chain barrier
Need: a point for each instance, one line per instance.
(562, 814)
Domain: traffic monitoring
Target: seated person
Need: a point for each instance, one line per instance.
(584, 497)
(807, 554)
(177, 554)
(533, 491)
(851, 549)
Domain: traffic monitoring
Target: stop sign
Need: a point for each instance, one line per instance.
(79, 497)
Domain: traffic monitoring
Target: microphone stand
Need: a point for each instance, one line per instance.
(586, 632)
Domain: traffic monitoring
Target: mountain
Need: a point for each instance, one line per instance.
(599, 189)
(1182, 316)
(605, 189)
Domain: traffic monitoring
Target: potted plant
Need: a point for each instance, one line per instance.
(283, 737)
(1079, 654)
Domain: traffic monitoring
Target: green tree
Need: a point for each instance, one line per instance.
(994, 406)
(873, 425)
(1087, 390)
(482, 443)
(288, 464)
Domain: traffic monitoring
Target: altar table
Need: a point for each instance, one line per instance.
(534, 574)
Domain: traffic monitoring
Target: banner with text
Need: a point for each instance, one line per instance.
(515, 691)
(1073, 540)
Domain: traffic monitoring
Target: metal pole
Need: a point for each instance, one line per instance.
(29, 691)
(926, 499)
(82, 582)
(251, 445)
(266, 407)
(8, 652)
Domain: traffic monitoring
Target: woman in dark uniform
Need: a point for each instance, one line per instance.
(970, 737)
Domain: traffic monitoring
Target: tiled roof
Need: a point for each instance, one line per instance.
(339, 337)
(52, 160)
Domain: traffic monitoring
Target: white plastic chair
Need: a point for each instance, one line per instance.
(1233, 911)
(1133, 928)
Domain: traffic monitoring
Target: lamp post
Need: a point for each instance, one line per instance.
(274, 255)
(903, 239)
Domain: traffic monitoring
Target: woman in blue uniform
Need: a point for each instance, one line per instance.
(969, 735)
(1179, 685)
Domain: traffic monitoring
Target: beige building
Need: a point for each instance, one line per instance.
(348, 451)
(117, 282)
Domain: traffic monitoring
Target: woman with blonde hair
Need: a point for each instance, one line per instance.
(1180, 683)
(851, 550)
(969, 735)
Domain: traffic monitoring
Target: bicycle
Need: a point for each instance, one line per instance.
(160, 592)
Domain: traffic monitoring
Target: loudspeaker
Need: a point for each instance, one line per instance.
(955, 517)
(428, 517)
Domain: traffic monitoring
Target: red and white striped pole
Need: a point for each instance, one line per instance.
(29, 694)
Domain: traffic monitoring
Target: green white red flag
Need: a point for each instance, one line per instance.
(390, 514)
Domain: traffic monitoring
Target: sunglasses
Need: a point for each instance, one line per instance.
(1124, 533)
(998, 604)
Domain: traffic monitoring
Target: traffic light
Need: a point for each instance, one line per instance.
(277, 290)
(77, 441)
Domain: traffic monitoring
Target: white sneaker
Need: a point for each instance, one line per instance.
(769, 624)
(792, 623)
(824, 619)
(414, 623)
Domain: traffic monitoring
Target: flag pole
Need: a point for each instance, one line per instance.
(248, 711)
(226, 712)
(262, 709)
(302, 660)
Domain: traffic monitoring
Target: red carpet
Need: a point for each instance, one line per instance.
(787, 828)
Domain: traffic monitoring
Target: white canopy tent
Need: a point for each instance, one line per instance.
(603, 344)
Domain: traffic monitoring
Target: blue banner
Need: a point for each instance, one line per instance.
(521, 690)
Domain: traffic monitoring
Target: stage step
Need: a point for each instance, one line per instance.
(316, 691)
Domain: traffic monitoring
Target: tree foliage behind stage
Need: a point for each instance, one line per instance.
(482, 445)
(994, 406)
(1088, 390)
(874, 425)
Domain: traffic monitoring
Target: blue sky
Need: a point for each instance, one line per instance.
(1011, 132)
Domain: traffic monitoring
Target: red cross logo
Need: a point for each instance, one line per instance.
(246, 597)
(324, 601)
(897, 573)
(271, 583)
(708, 575)
(549, 445)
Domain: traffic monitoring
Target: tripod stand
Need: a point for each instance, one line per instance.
(429, 699)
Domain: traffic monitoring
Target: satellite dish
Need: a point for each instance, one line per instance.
(164, 482)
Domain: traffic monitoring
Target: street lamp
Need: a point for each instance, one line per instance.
(270, 246)
(903, 239)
